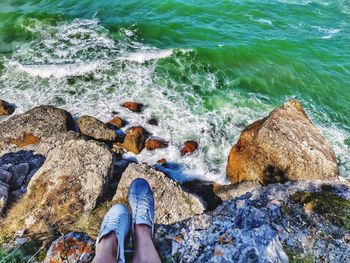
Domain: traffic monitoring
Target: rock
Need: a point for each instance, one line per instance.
(171, 202)
(189, 147)
(74, 176)
(19, 173)
(95, 129)
(74, 247)
(162, 161)
(268, 224)
(153, 122)
(40, 122)
(117, 122)
(283, 146)
(27, 139)
(5, 176)
(6, 108)
(135, 138)
(133, 106)
(153, 144)
(3, 195)
(17, 194)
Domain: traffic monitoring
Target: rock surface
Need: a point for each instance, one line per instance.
(96, 129)
(72, 179)
(265, 225)
(171, 202)
(153, 144)
(135, 139)
(72, 247)
(117, 122)
(6, 108)
(40, 122)
(133, 106)
(283, 146)
(189, 147)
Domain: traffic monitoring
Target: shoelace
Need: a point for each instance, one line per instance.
(143, 208)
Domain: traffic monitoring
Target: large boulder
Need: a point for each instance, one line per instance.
(70, 182)
(283, 146)
(6, 108)
(96, 129)
(34, 126)
(74, 247)
(172, 204)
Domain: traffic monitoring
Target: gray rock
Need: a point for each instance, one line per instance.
(19, 173)
(17, 194)
(5, 176)
(95, 129)
(260, 226)
(41, 122)
(3, 195)
(171, 202)
(74, 176)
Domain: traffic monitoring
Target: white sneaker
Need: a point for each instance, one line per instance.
(116, 220)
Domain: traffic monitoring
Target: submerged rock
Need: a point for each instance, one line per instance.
(74, 247)
(269, 224)
(6, 108)
(134, 141)
(171, 202)
(153, 122)
(133, 106)
(74, 176)
(96, 129)
(189, 147)
(283, 146)
(40, 123)
(153, 144)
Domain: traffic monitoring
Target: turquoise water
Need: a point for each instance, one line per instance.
(205, 69)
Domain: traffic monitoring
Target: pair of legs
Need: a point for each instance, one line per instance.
(117, 223)
(107, 249)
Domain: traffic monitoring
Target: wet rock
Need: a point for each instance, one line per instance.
(27, 139)
(96, 129)
(117, 122)
(74, 176)
(269, 224)
(3, 195)
(171, 202)
(283, 146)
(42, 122)
(6, 108)
(19, 173)
(153, 144)
(162, 161)
(5, 176)
(189, 147)
(134, 140)
(153, 122)
(133, 106)
(74, 247)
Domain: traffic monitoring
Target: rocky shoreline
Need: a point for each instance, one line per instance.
(59, 176)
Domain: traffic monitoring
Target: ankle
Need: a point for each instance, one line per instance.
(143, 231)
(108, 243)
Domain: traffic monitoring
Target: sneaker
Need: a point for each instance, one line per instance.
(141, 201)
(116, 220)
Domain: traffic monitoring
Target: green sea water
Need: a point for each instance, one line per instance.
(204, 69)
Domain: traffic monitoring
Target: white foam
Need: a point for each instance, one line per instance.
(148, 54)
(58, 70)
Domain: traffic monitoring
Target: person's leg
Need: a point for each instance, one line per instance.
(145, 250)
(141, 200)
(106, 250)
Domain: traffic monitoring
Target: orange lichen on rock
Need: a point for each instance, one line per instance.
(27, 139)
